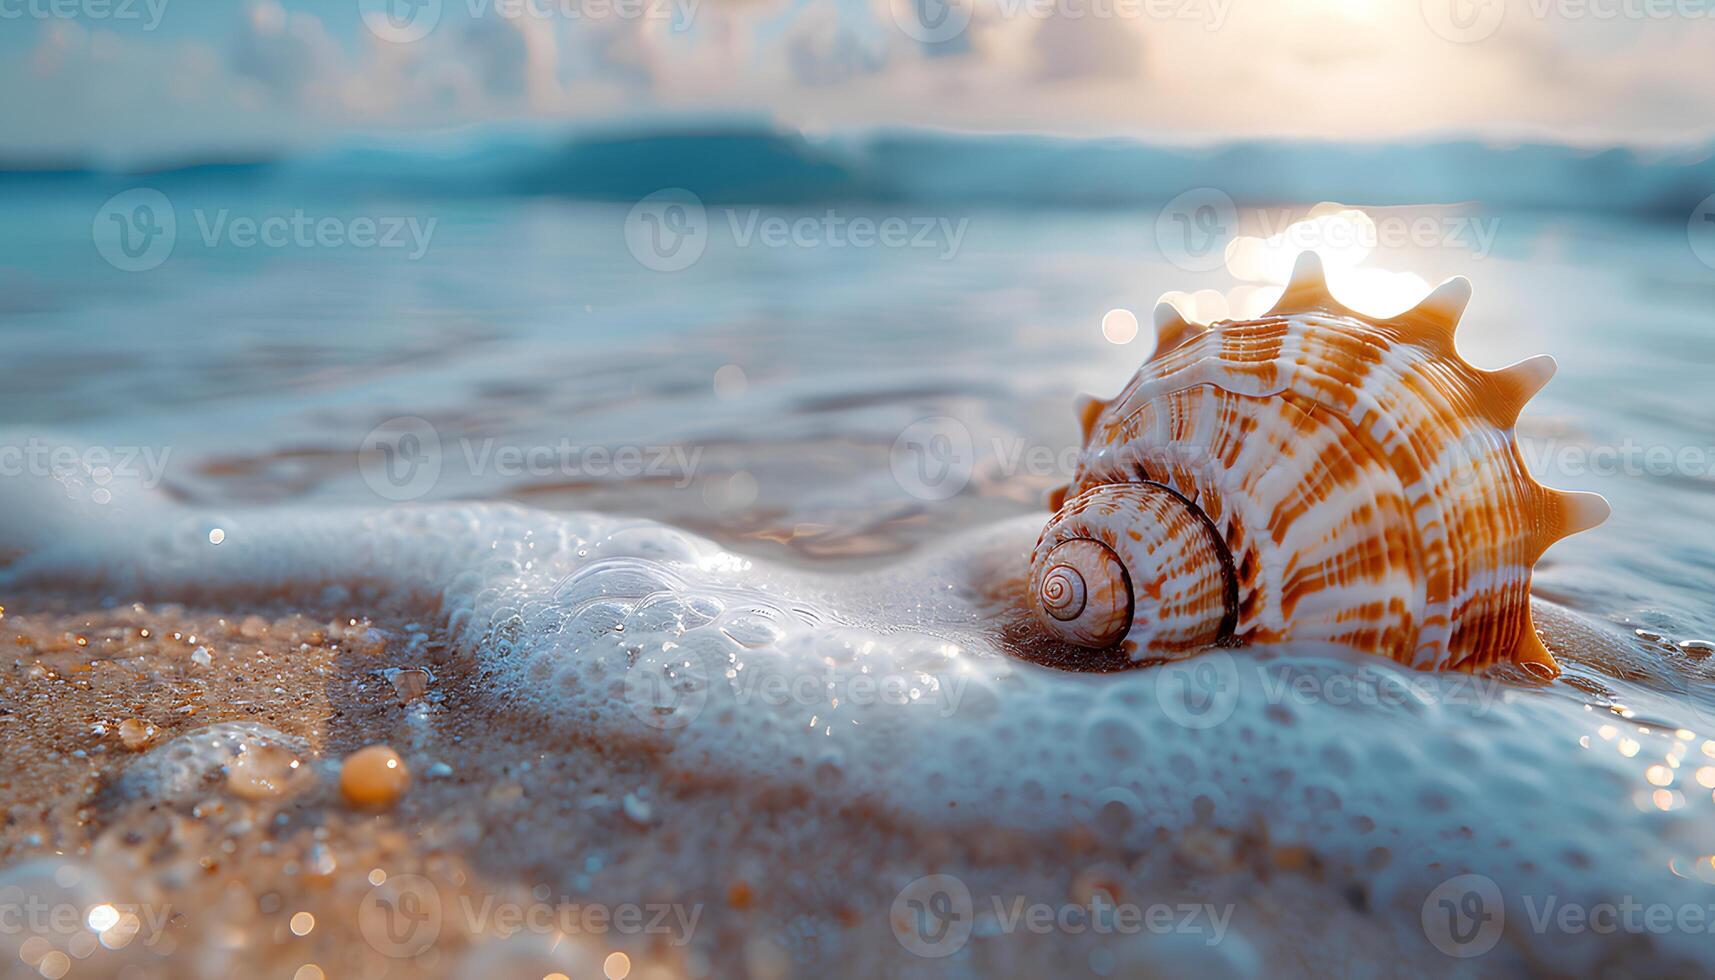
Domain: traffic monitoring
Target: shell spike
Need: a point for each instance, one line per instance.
(1088, 408)
(1437, 315)
(1519, 383)
(1533, 656)
(1308, 288)
(1057, 497)
(1172, 328)
(1580, 511)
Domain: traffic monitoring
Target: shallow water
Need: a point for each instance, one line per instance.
(759, 397)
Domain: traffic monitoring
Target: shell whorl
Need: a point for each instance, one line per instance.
(1362, 479)
(1133, 564)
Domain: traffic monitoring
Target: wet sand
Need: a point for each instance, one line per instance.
(174, 775)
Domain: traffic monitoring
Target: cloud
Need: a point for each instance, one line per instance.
(289, 54)
(821, 50)
(1087, 47)
(219, 78)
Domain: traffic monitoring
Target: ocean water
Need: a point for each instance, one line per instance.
(254, 374)
(526, 412)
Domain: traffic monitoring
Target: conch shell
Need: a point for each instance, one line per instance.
(1314, 476)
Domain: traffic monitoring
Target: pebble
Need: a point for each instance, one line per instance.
(135, 734)
(374, 777)
(638, 809)
(410, 684)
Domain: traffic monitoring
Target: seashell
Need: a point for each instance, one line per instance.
(1315, 476)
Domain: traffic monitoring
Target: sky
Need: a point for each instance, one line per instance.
(118, 80)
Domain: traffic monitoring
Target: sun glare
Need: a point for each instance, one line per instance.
(1345, 238)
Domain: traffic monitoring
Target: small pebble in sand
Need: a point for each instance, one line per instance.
(638, 809)
(135, 734)
(410, 684)
(374, 777)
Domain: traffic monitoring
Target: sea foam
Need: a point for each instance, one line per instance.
(896, 688)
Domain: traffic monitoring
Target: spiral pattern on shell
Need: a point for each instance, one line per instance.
(1063, 592)
(1356, 481)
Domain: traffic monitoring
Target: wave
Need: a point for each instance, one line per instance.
(760, 164)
